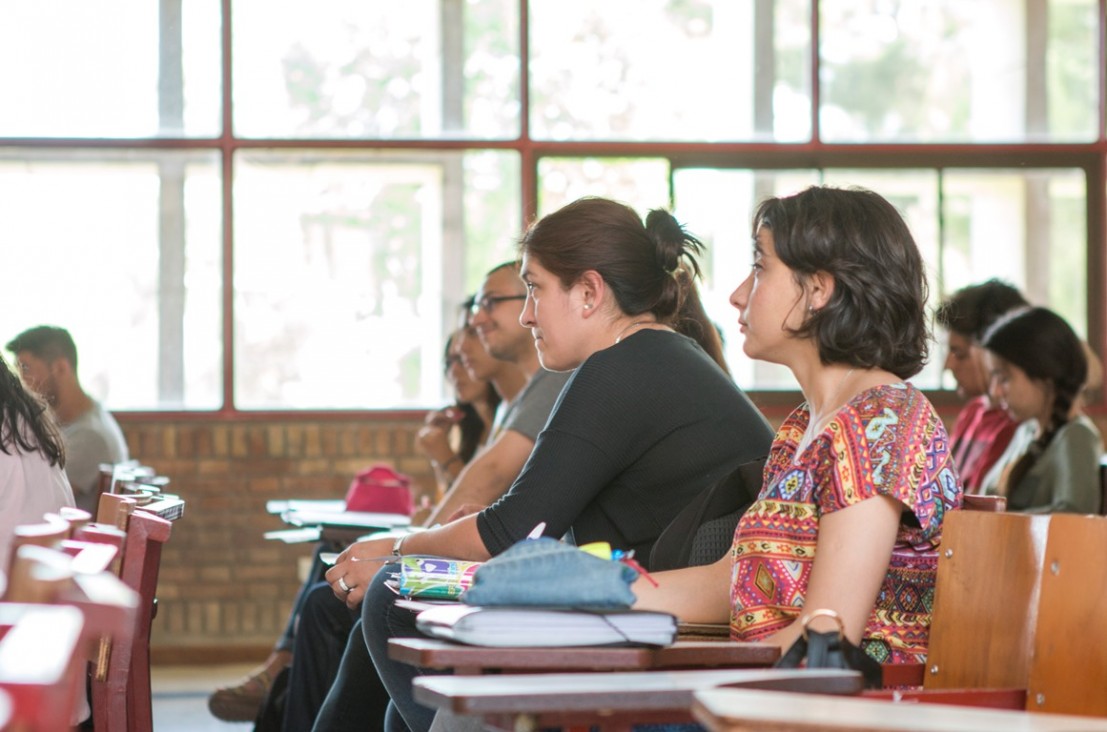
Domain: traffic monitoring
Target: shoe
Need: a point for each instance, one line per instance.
(241, 703)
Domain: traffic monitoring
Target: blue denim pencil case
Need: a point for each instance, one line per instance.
(547, 572)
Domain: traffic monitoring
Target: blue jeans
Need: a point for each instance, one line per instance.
(349, 707)
(322, 630)
(315, 575)
(381, 620)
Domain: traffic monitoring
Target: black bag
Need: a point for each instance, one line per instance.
(704, 530)
(831, 649)
(271, 715)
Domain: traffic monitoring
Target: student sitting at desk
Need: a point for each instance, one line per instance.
(859, 477)
(983, 428)
(1039, 368)
(646, 422)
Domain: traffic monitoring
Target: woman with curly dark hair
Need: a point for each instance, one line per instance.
(859, 476)
(32, 458)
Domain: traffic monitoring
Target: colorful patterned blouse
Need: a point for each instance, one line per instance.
(886, 441)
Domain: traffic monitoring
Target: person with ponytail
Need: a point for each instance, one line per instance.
(32, 460)
(646, 422)
(1038, 369)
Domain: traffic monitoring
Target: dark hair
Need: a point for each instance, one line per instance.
(47, 342)
(1044, 345)
(21, 411)
(970, 310)
(876, 315)
(649, 268)
(471, 426)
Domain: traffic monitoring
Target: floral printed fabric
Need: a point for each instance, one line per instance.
(886, 441)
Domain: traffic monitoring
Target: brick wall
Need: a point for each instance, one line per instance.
(225, 591)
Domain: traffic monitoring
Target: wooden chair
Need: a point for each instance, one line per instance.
(42, 659)
(121, 689)
(75, 601)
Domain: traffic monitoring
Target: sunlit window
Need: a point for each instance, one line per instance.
(343, 269)
(703, 70)
(949, 70)
(302, 239)
(122, 249)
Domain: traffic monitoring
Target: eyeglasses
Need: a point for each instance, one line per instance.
(488, 302)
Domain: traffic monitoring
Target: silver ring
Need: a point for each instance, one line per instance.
(343, 586)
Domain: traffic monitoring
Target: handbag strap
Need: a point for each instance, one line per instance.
(831, 649)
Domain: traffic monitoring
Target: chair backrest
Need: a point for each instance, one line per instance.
(77, 518)
(41, 665)
(38, 574)
(1068, 673)
(1019, 603)
(704, 530)
(989, 573)
(115, 510)
(121, 695)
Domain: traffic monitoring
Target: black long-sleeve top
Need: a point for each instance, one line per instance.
(639, 430)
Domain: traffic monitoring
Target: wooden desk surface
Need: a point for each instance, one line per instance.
(737, 710)
(610, 693)
(428, 653)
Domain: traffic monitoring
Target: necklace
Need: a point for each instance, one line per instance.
(623, 332)
(816, 425)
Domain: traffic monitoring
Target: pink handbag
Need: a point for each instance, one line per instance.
(380, 489)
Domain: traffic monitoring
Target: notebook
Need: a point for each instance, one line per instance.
(542, 627)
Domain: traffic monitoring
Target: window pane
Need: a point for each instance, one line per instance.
(717, 206)
(1025, 227)
(949, 70)
(701, 70)
(351, 69)
(123, 250)
(641, 183)
(105, 68)
(349, 269)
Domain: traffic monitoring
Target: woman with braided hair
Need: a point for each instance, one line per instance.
(1038, 369)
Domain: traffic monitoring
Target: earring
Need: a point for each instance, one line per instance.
(587, 306)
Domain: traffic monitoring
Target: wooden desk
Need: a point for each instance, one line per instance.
(736, 710)
(619, 699)
(437, 654)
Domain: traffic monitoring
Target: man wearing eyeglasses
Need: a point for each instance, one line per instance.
(495, 317)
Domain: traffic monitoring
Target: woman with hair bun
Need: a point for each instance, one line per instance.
(1038, 369)
(646, 422)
